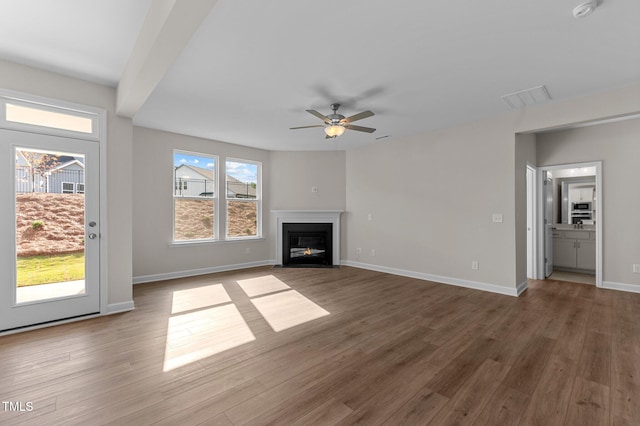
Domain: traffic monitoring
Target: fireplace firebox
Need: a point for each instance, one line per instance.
(307, 244)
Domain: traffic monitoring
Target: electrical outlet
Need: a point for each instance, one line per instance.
(497, 217)
(247, 250)
(314, 189)
(358, 250)
(373, 252)
(369, 216)
(475, 265)
(636, 268)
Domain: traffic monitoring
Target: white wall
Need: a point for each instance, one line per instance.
(617, 145)
(119, 135)
(293, 174)
(154, 257)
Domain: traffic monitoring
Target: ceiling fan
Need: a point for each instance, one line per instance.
(335, 124)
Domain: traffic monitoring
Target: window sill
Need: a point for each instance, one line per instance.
(214, 242)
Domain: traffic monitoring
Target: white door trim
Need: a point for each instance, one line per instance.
(532, 213)
(598, 226)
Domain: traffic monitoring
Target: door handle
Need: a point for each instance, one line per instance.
(92, 236)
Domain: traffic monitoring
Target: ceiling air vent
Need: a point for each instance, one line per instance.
(524, 98)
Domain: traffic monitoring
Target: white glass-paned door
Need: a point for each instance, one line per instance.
(49, 238)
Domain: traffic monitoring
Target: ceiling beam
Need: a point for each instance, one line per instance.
(167, 29)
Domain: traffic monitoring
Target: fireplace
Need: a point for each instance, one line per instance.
(312, 217)
(307, 244)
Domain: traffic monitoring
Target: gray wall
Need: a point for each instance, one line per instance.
(432, 195)
(617, 145)
(153, 253)
(431, 198)
(293, 174)
(119, 137)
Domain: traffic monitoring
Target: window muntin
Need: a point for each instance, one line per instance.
(194, 196)
(242, 189)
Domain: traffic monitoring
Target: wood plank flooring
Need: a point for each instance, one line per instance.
(391, 350)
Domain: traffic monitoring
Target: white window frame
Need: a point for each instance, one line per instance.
(257, 200)
(78, 190)
(8, 97)
(62, 184)
(215, 198)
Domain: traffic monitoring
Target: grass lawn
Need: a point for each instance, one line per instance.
(34, 270)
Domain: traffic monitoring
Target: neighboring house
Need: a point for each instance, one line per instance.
(66, 177)
(192, 181)
(239, 189)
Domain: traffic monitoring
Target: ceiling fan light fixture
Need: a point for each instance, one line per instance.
(334, 130)
(585, 9)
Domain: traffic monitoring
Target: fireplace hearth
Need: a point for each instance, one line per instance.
(307, 244)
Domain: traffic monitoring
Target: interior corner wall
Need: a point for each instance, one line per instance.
(154, 257)
(37, 82)
(617, 146)
(295, 174)
(431, 196)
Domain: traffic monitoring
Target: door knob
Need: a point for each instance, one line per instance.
(92, 236)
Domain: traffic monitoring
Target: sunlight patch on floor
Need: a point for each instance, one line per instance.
(199, 297)
(196, 335)
(262, 285)
(287, 309)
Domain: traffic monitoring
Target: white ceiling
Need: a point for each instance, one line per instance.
(253, 66)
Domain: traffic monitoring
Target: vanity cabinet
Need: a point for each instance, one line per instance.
(574, 249)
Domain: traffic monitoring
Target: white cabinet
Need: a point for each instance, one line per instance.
(581, 194)
(574, 250)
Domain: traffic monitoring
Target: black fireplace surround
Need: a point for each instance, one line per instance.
(307, 244)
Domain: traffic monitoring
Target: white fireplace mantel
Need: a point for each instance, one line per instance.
(308, 216)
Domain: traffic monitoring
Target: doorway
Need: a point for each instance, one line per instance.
(569, 226)
(53, 262)
(50, 237)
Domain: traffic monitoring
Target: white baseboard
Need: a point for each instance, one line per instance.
(201, 271)
(116, 308)
(631, 288)
(440, 279)
(522, 287)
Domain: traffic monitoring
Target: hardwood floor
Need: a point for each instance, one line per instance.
(353, 347)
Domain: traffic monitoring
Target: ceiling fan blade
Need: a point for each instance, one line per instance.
(320, 116)
(356, 117)
(306, 127)
(360, 128)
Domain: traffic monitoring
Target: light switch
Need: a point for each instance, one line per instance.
(497, 217)
(314, 189)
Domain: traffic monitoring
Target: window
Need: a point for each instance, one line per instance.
(67, 188)
(194, 196)
(41, 116)
(80, 188)
(243, 198)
